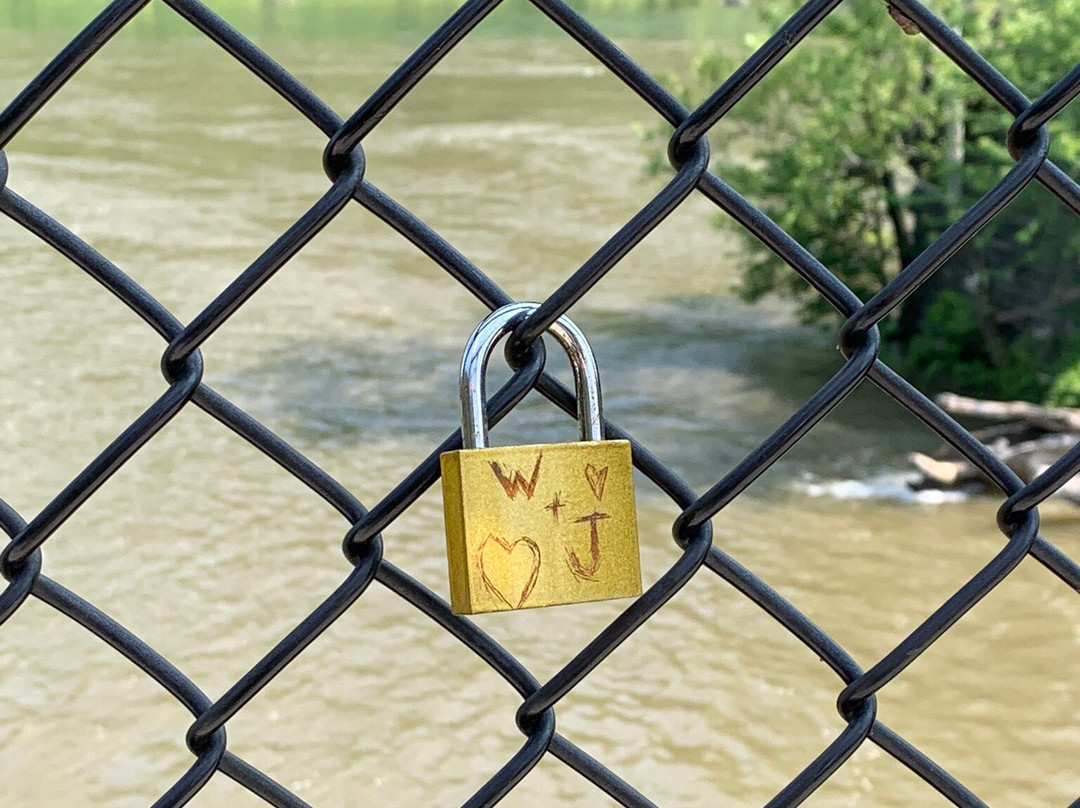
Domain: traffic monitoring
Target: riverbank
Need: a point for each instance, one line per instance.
(396, 20)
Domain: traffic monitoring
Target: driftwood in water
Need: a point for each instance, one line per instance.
(1050, 419)
(1027, 438)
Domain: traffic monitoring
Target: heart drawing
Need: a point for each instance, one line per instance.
(596, 479)
(517, 573)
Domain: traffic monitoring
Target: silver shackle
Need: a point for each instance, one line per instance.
(474, 426)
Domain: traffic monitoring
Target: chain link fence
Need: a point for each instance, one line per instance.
(344, 162)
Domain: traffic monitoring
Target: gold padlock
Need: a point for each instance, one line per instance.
(544, 524)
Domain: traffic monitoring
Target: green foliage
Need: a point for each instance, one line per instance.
(1065, 391)
(866, 143)
(950, 353)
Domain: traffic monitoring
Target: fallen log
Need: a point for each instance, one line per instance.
(943, 473)
(1052, 419)
(1027, 460)
(1027, 438)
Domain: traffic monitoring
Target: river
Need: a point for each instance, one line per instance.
(180, 167)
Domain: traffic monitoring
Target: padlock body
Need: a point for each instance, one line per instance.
(540, 525)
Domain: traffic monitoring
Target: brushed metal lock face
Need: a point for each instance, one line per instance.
(540, 525)
(544, 524)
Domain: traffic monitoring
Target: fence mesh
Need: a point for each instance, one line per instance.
(688, 151)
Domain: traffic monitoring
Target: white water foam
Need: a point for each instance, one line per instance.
(893, 485)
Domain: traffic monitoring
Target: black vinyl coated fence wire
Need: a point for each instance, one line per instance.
(688, 151)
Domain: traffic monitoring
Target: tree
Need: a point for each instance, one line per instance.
(868, 143)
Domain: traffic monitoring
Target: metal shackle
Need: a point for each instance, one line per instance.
(474, 426)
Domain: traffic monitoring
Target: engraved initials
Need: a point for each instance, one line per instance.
(515, 481)
(580, 571)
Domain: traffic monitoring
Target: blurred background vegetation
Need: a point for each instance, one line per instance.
(876, 145)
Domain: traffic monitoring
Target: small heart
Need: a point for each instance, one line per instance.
(596, 479)
(503, 567)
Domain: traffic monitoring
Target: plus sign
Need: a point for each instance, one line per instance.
(556, 505)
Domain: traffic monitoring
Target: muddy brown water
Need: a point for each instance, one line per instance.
(181, 168)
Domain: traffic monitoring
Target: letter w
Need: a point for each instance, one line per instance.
(512, 483)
